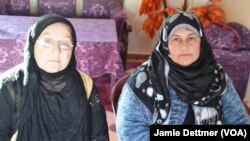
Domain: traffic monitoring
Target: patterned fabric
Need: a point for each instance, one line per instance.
(231, 48)
(91, 8)
(198, 84)
(104, 9)
(98, 51)
(18, 7)
(133, 119)
(244, 34)
(223, 37)
(65, 8)
(96, 59)
(3, 6)
(237, 66)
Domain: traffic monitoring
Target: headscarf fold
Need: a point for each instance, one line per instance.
(198, 84)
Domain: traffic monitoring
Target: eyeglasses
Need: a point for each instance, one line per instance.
(49, 43)
(190, 40)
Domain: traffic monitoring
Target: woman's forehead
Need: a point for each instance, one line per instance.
(57, 29)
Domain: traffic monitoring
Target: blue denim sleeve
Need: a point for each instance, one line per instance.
(133, 117)
(234, 110)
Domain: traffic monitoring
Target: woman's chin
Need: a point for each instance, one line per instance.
(185, 63)
(52, 70)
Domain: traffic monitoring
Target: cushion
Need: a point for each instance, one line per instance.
(244, 33)
(3, 7)
(237, 66)
(103, 9)
(68, 8)
(222, 36)
(65, 8)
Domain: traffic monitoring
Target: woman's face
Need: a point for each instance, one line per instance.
(53, 48)
(184, 47)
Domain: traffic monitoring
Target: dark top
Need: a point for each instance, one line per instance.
(51, 117)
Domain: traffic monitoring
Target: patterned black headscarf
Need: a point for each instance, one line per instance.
(198, 84)
(56, 106)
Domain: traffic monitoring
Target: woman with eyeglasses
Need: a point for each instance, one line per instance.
(46, 98)
(180, 84)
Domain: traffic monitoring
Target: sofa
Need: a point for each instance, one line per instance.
(100, 26)
(97, 9)
(231, 48)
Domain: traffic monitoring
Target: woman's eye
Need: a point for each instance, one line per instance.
(176, 39)
(65, 45)
(190, 38)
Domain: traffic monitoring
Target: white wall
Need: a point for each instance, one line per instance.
(237, 11)
(141, 43)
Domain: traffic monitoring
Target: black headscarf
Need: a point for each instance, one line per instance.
(198, 84)
(55, 106)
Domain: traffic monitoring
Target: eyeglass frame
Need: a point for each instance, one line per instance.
(50, 43)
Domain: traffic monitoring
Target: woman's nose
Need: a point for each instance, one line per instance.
(56, 47)
(184, 44)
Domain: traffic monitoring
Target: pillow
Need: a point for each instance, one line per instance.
(97, 8)
(67, 8)
(18, 7)
(244, 34)
(3, 7)
(222, 36)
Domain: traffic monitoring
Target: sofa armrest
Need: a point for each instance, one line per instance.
(124, 39)
(127, 29)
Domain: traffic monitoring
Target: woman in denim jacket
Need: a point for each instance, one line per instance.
(181, 83)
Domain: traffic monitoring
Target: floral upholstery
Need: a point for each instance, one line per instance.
(217, 34)
(231, 48)
(101, 8)
(104, 9)
(15, 7)
(237, 66)
(3, 6)
(244, 34)
(67, 8)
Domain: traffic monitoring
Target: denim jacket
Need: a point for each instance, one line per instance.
(134, 118)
